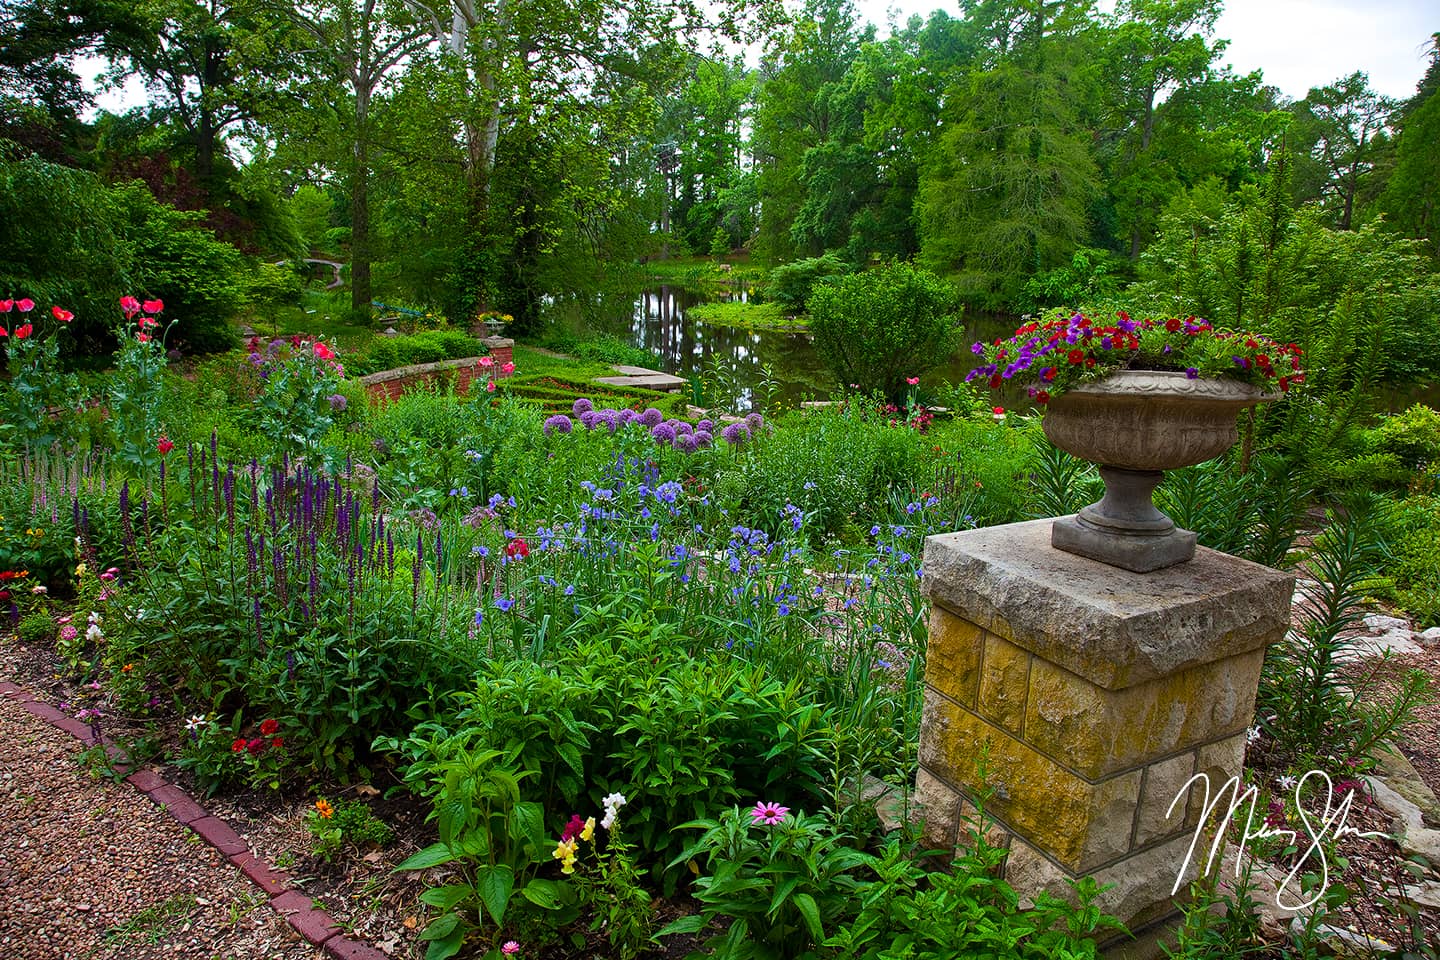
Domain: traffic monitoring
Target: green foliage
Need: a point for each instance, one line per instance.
(1412, 576)
(36, 628)
(135, 394)
(429, 346)
(38, 401)
(877, 328)
(599, 348)
(1412, 437)
(1318, 711)
(791, 284)
(173, 258)
(346, 823)
(274, 285)
(299, 394)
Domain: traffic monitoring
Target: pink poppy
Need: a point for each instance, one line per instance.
(153, 306)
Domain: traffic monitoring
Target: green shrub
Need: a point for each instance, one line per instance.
(791, 285)
(36, 628)
(271, 285)
(877, 328)
(429, 346)
(1413, 437)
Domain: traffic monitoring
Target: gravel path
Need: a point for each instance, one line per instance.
(92, 869)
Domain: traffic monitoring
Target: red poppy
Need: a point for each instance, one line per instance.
(269, 727)
(24, 304)
(517, 548)
(4, 332)
(153, 306)
(6, 305)
(61, 314)
(24, 331)
(129, 306)
(143, 337)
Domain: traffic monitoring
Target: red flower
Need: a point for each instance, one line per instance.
(24, 304)
(129, 306)
(4, 332)
(998, 411)
(256, 747)
(269, 727)
(278, 742)
(323, 352)
(1043, 396)
(165, 445)
(153, 306)
(517, 548)
(238, 746)
(61, 314)
(143, 337)
(1173, 324)
(24, 331)
(573, 828)
(995, 382)
(148, 322)
(1076, 356)
(6, 305)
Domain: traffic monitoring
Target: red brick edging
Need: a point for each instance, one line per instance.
(299, 911)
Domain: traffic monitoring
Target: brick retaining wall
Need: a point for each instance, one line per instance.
(392, 384)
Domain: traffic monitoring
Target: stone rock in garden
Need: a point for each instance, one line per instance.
(1408, 825)
(1337, 942)
(1402, 777)
(1429, 638)
(1426, 893)
(247, 331)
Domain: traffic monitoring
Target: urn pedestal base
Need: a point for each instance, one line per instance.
(1140, 553)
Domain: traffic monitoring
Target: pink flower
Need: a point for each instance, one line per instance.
(510, 947)
(129, 306)
(165, 445)
(24, 304)
(6, 305)
(143, 337)
(148, 322)
(912, 380)
(61, 314)
(508, 368)
(490, 387)
(68, 632)
(768, 813)
(153, 306)
(487, 361)
(323, 352)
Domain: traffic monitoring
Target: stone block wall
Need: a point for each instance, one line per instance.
(1093, 695)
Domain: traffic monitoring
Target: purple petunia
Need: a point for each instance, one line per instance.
(1191, 373)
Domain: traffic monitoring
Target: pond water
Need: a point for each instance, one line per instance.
(745, 364)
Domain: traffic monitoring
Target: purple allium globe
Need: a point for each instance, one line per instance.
(590, 419)
(735, 434)
(682, 427)
(708, 426)
(558, 424)
(703, 438)
(610, 418)
(755, 422)
(582, 405)
(663, 432)
(628, 416)
(652, 417)
(685, 443)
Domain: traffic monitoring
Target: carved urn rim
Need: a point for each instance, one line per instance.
(1170, 385)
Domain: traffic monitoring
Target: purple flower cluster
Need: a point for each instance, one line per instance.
(680, 434)
(558, 424)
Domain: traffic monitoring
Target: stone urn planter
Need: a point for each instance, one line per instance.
(1135, 425)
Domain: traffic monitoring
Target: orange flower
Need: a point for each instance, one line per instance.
(127, 668)
(323, 806)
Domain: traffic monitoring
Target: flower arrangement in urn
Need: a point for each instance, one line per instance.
(1054, 355)
(1138, 398)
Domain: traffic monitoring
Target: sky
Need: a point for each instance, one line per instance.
(1297, 44)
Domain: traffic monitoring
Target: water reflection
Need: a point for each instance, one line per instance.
(656, 319)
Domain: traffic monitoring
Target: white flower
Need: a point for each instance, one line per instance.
(196, 722)
(614, 801)
(608, 821)
(95, 616)
(1286, 782)
(93, 634)
(40, 589)
(1252, 734)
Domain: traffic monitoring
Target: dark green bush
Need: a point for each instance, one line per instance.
(791, 285)
(877, 328)
(430, 346)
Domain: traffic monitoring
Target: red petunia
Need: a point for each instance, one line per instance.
(269, 727)
(995, 382)
(256, 747)
(278, 742)
(1076, 356)
(1173, 324)
(238, 746)
(1043, 396)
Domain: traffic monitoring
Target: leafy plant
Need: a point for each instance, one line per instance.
(875, 329)
(344, 823)
(38, 400)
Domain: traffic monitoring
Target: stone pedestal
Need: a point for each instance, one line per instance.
(1098, 693)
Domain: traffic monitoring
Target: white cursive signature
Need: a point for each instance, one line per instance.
(1332, 823)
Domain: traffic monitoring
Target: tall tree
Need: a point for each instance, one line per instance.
(1341, 126)
(357, 44)
(1006, 191)
(1412, 197)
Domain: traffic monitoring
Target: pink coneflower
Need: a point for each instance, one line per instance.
(768, 813)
